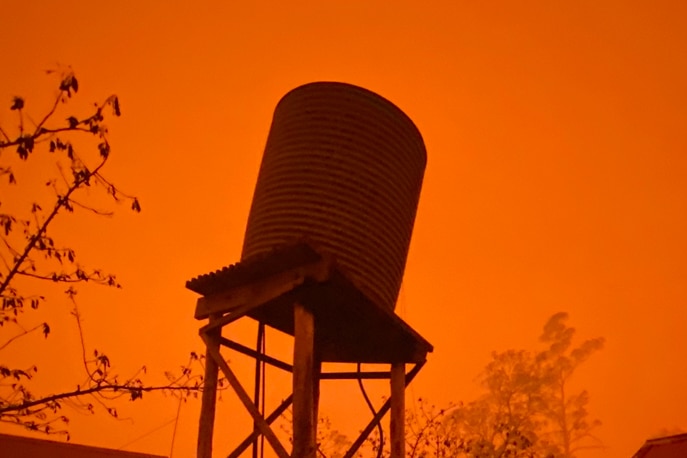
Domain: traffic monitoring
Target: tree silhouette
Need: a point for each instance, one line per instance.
(503, 422)
(571, 428)
(31, 257)
(527, 409)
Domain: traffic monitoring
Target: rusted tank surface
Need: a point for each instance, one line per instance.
(342, 168)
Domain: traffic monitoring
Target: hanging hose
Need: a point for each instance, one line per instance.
(374, 414)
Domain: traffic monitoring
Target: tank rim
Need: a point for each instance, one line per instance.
(362, 90)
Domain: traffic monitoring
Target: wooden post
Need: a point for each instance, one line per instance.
(209, 398)
(259, 366)
(316, 395)
(304, 384)
(398, 386)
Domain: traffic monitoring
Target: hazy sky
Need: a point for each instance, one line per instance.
(556, 181)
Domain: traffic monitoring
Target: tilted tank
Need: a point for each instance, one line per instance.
(342, 168)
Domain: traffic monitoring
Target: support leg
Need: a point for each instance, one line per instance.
(259, 377)
(398, 386)
(304, 384)
(209, 398)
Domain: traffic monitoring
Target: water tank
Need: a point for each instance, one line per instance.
(343, 168)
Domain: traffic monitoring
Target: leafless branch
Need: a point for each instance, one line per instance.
(21, 334)
(32, 242)
(4, 134)
(48, 115)
(75, 277)
(91, 209)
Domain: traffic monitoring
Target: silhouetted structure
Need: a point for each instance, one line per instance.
(323, 258)
(27, 447)
(664, 447)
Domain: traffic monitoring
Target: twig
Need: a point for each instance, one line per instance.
(49, 114)
(94, 210)
(4, 134)
(21, 334)
(94, 389)
(32, 242)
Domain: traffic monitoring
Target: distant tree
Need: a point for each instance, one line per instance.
(31, 258)
(528, 409)
(331, 443)
(504, 421)
(427, 432)
(570, 427)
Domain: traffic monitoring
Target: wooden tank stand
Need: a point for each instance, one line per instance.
(301, 292)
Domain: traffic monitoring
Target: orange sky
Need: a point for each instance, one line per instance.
(556, 179)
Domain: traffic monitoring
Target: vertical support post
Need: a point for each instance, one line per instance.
(397, 428)
(305, 382)
(316, 395)
(209, 398)
(259, 377)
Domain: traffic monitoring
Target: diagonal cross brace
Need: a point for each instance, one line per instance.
(380, 414)
(260, 421)
(254, 435)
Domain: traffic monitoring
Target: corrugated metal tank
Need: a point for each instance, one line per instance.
(343, 168)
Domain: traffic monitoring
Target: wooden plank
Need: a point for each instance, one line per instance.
(209, 397)
(264, 290)
(369, 375)
(229, 318)
(254, 354)
(304, 384)
(397, 427)
(262, 425)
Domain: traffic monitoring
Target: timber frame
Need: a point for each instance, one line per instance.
(299, 290)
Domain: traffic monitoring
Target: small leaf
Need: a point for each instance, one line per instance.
(73, 122)
(66, 85)
(115, 106)
(17, 103)
(46, 330)
(136, 206)
(75, 84)
(104, 148)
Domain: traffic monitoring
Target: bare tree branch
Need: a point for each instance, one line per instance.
(18, 405)
(21, 334)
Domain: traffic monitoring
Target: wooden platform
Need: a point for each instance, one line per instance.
(350, 327)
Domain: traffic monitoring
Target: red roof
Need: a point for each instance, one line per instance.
(28, 447)
(664, 447)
